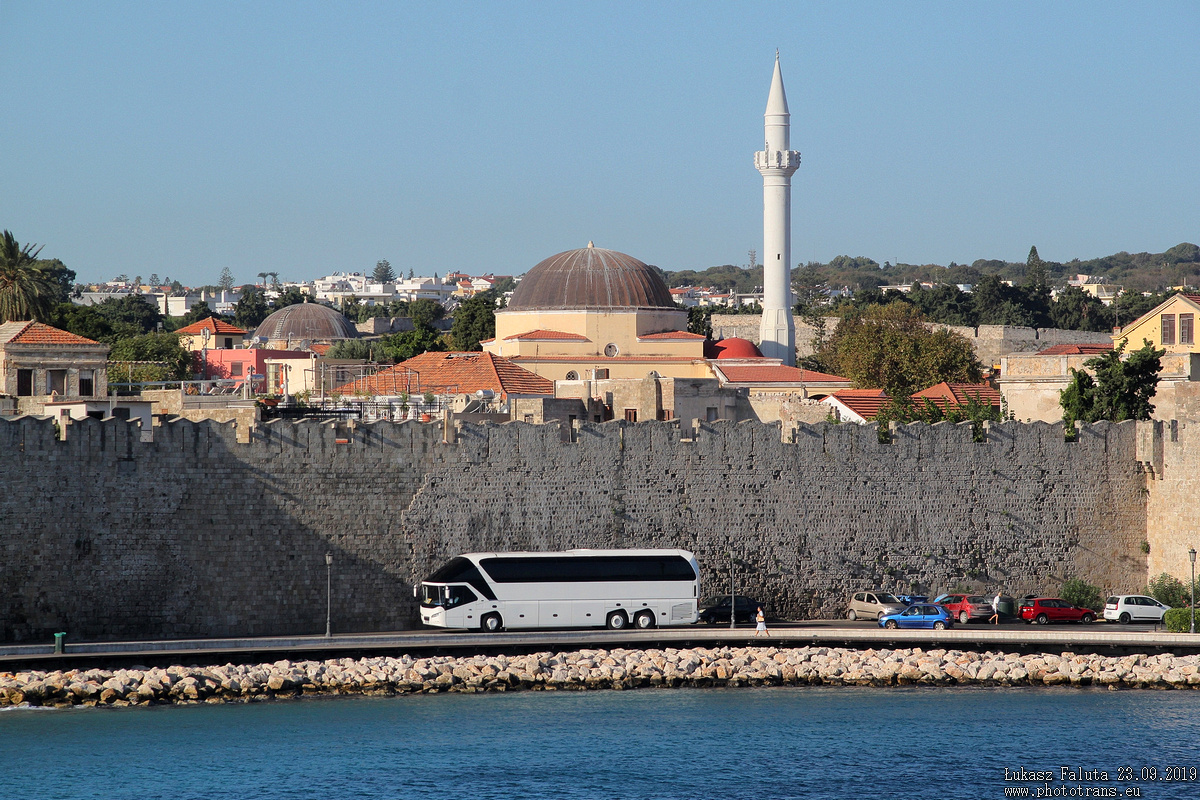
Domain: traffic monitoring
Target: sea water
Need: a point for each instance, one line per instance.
(785, 742)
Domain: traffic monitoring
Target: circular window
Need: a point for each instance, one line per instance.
(572, 375)
(611, 350)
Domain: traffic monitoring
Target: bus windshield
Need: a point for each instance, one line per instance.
(445, 596)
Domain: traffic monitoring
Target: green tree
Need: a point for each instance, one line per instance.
(1169, 590)
(358, 349)
(131, 314)
(1083, 594)
(383, 272)
(177, 362)
(226, 279)
(700, 321)
(891, 348)
(1076, 310)
(27, 291)
(291, 296)
(1121, 390)
(154, 280)
(474, 321)
(83, 321)
(251, 309)
(425, 312)
(1037, 290)
(352, 309)
(405, 345)
(199, 311)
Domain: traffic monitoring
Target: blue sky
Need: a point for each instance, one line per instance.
(180, 138)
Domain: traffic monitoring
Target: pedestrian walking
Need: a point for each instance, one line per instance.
(761, 627)
(995, 609)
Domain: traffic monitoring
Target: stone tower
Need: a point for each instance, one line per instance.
(777, 163)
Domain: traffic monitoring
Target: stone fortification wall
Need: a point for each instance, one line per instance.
(198, 534)
(1171, 452)
(991, 342)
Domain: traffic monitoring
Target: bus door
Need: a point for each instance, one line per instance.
(457, 601)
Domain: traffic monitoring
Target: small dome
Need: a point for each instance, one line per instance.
(735, 347)
(590, 278)
(306, 321)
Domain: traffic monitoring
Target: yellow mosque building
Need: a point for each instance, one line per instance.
(596, 314)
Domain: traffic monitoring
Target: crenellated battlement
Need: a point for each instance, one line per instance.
(334, 438)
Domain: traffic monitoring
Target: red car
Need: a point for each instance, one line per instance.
(966, 607)
(1044, 610)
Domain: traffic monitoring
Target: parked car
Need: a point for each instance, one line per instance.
(874, 604)
(1126, 608)
(912, 599)
(716, 609)
(1044, 610)
(921, 615)
(966, 607)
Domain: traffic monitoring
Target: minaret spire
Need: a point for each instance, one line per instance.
(777, 163)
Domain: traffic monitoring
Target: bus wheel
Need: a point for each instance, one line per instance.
(490, 623)
(617, 620)
(644, 619)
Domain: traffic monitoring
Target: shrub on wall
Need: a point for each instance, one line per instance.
(1178, 620)
(1082, 594)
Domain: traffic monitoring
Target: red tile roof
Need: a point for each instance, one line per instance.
(38, 333)
(1076, 350)
(546, 335)
(959, 394)
(213, 325)
(776, 373)
(864, 402)
(319, 349)
(451, 373)
(671, 336)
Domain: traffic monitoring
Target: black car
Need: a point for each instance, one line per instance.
(716, 609)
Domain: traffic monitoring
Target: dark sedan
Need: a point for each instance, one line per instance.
(716, 610)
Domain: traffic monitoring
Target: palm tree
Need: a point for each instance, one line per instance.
(263, 277)
(26, 291)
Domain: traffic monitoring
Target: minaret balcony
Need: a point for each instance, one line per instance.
(785, 161)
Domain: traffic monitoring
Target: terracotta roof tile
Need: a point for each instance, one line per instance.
(39, 333)
(959, 394)
(1075, 350)
(544, 335)
(864, 402)
(682, 336)
(213, 325)
(451, 373)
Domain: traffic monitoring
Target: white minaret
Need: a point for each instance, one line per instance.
(777, 163)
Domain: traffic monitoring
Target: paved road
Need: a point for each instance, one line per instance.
(834, 633)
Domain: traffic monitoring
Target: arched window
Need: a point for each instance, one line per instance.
(572, 375)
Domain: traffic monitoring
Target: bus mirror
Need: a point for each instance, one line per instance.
(416, 588)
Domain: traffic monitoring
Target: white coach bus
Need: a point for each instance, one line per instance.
(571, 588)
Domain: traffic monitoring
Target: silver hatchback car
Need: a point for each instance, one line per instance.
(874, 605)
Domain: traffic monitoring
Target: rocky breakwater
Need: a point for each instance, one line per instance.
(594, 669)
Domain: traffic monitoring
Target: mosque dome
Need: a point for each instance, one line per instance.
(305, 321)
(590, 278)
(733, 347)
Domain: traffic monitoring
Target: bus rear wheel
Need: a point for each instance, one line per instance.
(644, 619)
(617, 621)
(491, 623)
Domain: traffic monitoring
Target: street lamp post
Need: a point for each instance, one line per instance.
(328, 593)
(732, 605)
(1192, 558)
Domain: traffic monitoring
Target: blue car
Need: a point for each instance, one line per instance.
(912, 599)
(919, 616)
